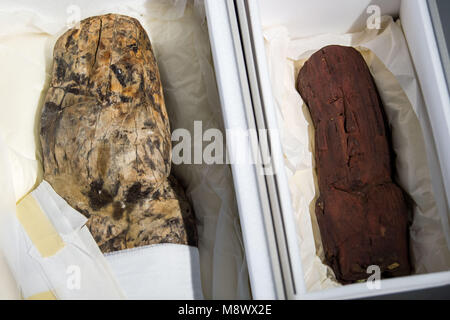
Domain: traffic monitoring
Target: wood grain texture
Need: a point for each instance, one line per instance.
(105, 136)
(362, 213)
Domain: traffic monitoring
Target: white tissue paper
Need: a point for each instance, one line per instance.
(177, 30)
(386, 53)
(161, 271)
(76, 271)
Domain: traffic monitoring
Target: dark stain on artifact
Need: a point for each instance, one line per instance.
(119, 75)
(134, 193)
(98, 197)
(105, 136)
(118, 210)
(133, 47)
(61, 68)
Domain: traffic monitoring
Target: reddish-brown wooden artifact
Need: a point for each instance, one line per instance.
(362, 213)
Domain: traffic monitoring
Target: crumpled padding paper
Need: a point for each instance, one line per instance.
(177, 30)
(386, 53)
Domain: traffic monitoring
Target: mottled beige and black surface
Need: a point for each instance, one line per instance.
(105, 136)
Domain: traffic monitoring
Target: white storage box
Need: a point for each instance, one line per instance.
(265, 211)
(236, 32)
(180, 41)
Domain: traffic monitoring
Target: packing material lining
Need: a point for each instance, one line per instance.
(386, 53)
(177, 30)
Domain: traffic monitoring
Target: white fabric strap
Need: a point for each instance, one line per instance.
(78, 270)
(162, 271)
